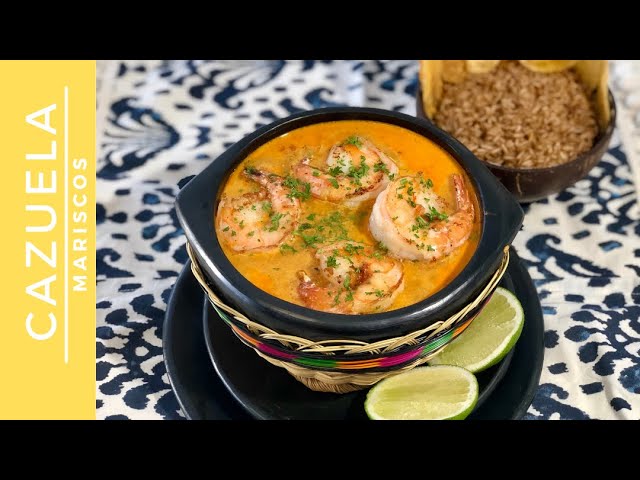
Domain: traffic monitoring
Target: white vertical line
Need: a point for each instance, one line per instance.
(66, 225)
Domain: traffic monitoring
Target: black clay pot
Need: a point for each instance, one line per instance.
(196, 207)
(531, 184)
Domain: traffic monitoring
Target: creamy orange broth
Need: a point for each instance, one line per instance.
(276, 272)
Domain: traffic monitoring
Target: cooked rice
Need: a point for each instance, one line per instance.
(519, 118)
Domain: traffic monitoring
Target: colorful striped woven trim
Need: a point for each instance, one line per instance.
(377, 363)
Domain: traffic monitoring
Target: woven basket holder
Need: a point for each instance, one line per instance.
(323, 380)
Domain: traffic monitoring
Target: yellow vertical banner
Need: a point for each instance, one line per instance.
(48, 154)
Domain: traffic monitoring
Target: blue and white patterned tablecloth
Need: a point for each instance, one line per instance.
(159, 122)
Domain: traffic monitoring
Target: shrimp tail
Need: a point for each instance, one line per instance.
(463, 202)
(258, 176)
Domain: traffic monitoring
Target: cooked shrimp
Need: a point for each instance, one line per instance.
(357, 279)
(258, 220)
(358, 171)
(410, 219)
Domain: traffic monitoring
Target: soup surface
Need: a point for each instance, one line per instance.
(307, 234)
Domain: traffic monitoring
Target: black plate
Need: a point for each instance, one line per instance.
(270, 393)
(202, 395)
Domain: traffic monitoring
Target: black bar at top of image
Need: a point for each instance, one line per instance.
(322, 31)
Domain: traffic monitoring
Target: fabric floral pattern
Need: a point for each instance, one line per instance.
(161, 122)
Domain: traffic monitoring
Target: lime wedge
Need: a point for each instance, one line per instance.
(424, 393)
(491, 335)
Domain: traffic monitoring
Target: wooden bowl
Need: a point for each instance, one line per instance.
(531, 184)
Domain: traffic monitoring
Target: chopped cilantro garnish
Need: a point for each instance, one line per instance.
(332, 262)
(434, 214)
(420, 223)
(352, 249)
(425, 183)
(424, 221)
(336, 299)
(381, 167)
(357, 173)
(325, 230)
(301, 190)
(347, 286)
(284, 248)
(335, 171)
(377, 293)
(353, 140)
(275, 221)
(311, 240)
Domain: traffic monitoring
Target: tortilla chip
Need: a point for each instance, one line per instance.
(481, 66)
(453, 71)
(431, 85)
(548, 66)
